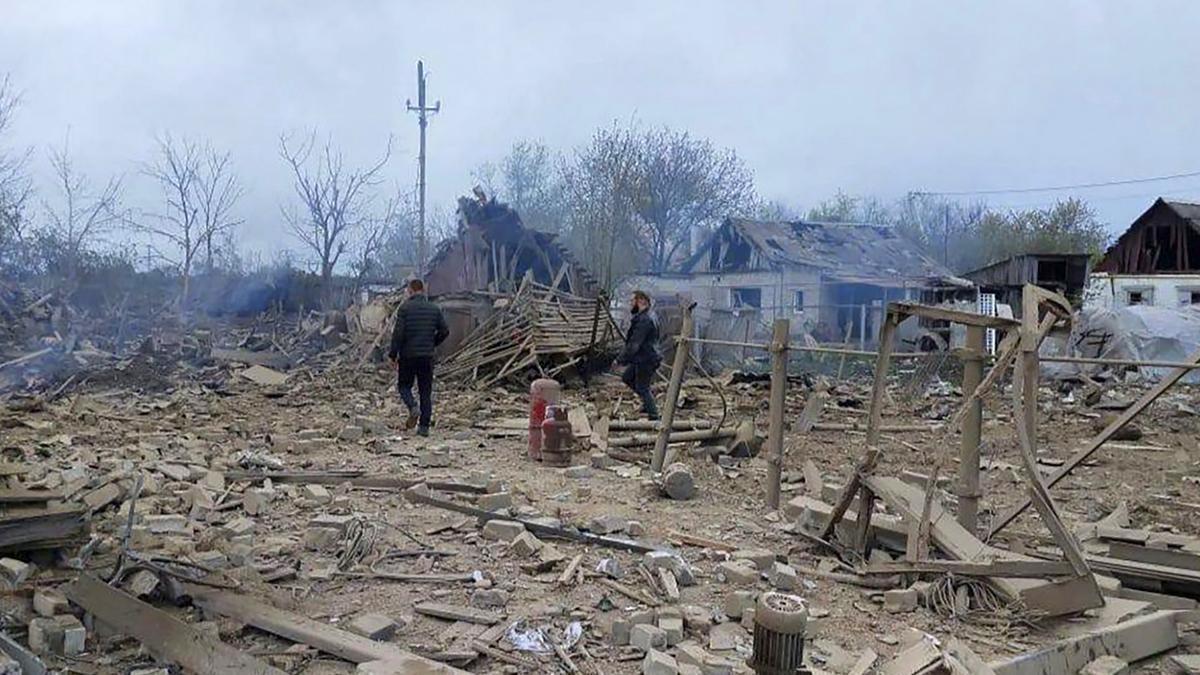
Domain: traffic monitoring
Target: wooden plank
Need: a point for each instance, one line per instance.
(1154, 556)
(693, 540)
(29, 662)
(775, 411)
(456, 613)
(813, 406)
(26, 496)
(320, 636)
(267, 359)
(581, 427)
(814, 483)
(1098, 440)
(953, 315)
(1131, 641)
(1013, 569)
(161, 634)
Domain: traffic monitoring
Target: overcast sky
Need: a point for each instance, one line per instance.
(870, 97)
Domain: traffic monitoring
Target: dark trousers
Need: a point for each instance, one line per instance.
(419, 368)
(638, 376)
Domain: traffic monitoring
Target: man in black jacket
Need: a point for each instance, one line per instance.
(641, 356)
(420, 328)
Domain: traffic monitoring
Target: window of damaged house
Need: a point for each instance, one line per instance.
(1188, 296)
(745, 298)
(798, 301)
(1139, 296)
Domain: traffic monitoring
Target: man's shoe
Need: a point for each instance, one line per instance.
(413, 416)
(422, 431)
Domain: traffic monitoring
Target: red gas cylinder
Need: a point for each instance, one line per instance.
(557, 439)
(542, 393)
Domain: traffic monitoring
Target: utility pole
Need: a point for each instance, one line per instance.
(422, 120)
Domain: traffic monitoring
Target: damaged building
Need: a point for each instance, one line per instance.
(1156, 262)
(831, 280)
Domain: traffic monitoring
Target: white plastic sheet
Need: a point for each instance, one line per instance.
(1137, 332)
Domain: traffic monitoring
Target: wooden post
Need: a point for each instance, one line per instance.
(677, 367)
(867, 464)
(968, 467)
(779, 364)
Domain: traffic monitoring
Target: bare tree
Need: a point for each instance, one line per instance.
(688, 183)
(16, 188)
(199, 192)
(81, 215)
(335, 199)
(217, 192)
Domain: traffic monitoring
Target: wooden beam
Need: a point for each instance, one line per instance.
(320, 636)
(161, 634)
(456, 613)
(678, 366)
(777, 403)
(953, 315)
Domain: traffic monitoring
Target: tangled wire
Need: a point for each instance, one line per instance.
(357, 543)
(971, 600)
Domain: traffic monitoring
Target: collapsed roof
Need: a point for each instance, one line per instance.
(844, 252)
(1165, 238)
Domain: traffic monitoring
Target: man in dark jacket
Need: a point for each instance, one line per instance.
(641, 356)
(420, 328)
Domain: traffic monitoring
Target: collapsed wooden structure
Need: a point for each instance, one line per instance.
(538, 328)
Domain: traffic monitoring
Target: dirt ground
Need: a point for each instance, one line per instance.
(211, 420)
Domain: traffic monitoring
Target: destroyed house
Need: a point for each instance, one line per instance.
(832, 280)
(1156, 262)
(494, 251)
(1065, 273)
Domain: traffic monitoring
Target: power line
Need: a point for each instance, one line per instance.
(1057, 188)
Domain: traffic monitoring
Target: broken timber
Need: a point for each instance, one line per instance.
(1133, 640)
(1011, 569)
(418, 497)
(323, 637)
(354, 478)
(162, 635)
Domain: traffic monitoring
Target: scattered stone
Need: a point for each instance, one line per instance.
(141, 584)
(672, 561)
(373, 626)
(600, 460)
(74, 635)
(257, 501)
(50, 602)
(14, 571)
(332, 521)
(316, 493)
(150, 671)
(738, 573)
(321, 538)
(748, 619)
(495, 501)
(607, 524)
(1129, 432)
(659, 663)
(1182, 664)
(619, 632)
(691, 654)
(673, 628)
(502, 530)
(726, 636)
(677, 482)
(642, 616)
(645, 636)
(635, 528)
(1106, 665)
(170, 523)
(524, 545)
(783, 577)
(45, 635)
(760, 557)
(102, 496)
(697, 619)
(738, 602)
(902, 600)
(213, 480)
(489, 598)
(175, 472)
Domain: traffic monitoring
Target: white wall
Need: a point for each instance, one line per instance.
(1158, 290)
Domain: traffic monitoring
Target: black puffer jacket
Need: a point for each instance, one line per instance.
(641, 343)
(420, 328)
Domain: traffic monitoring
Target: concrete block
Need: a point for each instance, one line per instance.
(333, 521)
(50, 602)
(316, 493)
(738, 602)
(783, 576)
(900, 600)
(14, 571)
(654, 560)
(489, 598)
(257, 501)
(696, 618)
(747, 621)
(691, 654)
(373, 626)
(738, 573)
(238, 527)
(141, 583)
(502, 530)
(74, 635)
(524, 545)
(687, 669)
(102, 496)
(619, 632)
(213, 480)
(171, 523)
(321, 538)
(673, 628)
(608, 524)
(1182, 664)
(659, 663)
(600, 460)
(45, 635)
(646, 637)
(642, 616)
(495, 501)
(760, 557)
